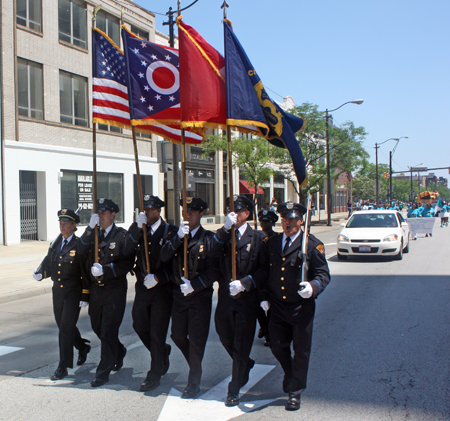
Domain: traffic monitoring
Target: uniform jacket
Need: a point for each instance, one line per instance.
(134, 245)
(285, 270)
(251, 259)
(202, 258)
(111, 255)
(66, 267)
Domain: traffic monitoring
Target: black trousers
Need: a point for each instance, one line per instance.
(151, 316)
(106, 309)
(235, 321)
(263, 321)
(191, 317)
(66, 309)
(292, 323)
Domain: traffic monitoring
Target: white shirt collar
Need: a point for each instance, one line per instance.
(293, 238)
(242, 229)
(68, 240)
(107, 230)
(155, 226)
(194, 231)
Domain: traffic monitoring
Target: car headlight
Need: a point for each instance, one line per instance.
(343, 239)
(391, 237)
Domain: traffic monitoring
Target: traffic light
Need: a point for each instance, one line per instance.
(385, 174)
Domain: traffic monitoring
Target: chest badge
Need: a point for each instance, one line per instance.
(72, 253)
(202, 248)
(249, 246)
(112, 246)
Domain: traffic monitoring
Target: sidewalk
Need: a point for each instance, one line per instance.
(18, 262)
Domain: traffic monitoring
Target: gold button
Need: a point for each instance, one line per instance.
(199, 257)
(99, 282)
(60, 257)
(59, 279)
(283, 269)
(282, 279)
(98, 249)
(188, 252)
(59, 264)
(62, 286)
(59, 273)
(112, 254)
(283, 288)
(284, 297)
(283, 259)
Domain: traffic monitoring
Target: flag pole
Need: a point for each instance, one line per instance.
(183, 175)
(230, 183)
(141, 197)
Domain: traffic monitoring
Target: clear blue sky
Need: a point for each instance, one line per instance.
(392, 53)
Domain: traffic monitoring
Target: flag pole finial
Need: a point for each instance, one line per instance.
(224, 7)
(179, 7)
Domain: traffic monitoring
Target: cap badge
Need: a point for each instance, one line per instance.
(63, 211)
(189, 199)
(101, 201)
(235, 197)
(147, 197)
(289, 205)
(265, 212)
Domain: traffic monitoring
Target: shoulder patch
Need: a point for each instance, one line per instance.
(321, 248)
(265, 239)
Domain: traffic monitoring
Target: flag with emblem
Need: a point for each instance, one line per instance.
(110, 91)
(202, 81)
(249, 104)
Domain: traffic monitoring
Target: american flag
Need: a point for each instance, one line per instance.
(110, 92)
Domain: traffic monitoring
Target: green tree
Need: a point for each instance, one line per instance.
(253, 157)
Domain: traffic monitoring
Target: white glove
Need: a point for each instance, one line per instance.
(94, 221)
(186, 288)
(264, 305)
(230, 221)
(37, 276)
(150, 281)
(305, 290)
(83, 304)
(183, 230)
(236, 287)
(141, 219)
(97, 269)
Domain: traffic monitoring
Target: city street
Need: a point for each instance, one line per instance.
(380, 352)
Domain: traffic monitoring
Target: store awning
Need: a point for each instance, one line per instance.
(245, 189)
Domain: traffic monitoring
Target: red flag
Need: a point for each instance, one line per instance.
(202, 81)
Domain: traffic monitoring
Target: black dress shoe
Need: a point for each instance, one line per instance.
(119, 363)
(191, 391)
(267, 342)
(82, 354)
(149, 385)
(166, 362)
(260, 333)
(98, 382)
(250, 365)
(293, 403)
(59, 374)
(232, 400)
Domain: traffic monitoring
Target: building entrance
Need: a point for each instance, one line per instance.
(28, 206)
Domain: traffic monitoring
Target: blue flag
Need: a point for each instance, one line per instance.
(248, 104)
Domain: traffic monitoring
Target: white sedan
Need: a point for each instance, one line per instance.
(374, 233)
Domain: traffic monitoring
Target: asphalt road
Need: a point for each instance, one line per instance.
(380, 352)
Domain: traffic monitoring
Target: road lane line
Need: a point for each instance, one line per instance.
(8, 349)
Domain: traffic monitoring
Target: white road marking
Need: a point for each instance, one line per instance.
(8, 349)
(330, 244)
(211, 405)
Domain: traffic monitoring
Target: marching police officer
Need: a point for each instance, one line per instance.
(70, 290)
(238, 299)
(267, 219)
(108, 286)
(153, 300)
(192, 297)
(292, 299)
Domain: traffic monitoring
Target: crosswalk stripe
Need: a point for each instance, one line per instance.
(8, 349)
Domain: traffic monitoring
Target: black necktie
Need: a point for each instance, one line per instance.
(101, 236)
(64, 243)
(238, 235)
(286, 245)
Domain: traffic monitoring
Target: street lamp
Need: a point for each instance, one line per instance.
(329, 201)
(377, 145)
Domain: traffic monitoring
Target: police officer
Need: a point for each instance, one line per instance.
(70, 290)
(108, 286)
(292, 299)
(238, 299)
(153, 300)
(267, 219)
(192, 296)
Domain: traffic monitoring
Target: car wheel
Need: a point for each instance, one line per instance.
(399, 256)
(406, 249)
(341, 257)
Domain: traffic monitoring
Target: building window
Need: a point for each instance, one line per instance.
(77, 191)
(140, 32)
(31, 98)
(110, 25)
(29, 14)
(143, 135)
(73, 97)
(110, 128)
(72, 22)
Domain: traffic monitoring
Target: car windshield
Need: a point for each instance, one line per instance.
(372, 220)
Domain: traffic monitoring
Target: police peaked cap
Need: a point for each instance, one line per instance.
(291, 210)
(195, 203)
(151, 201)
(240, 202)
(107, 204)
(267, 215)
(68, 215)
